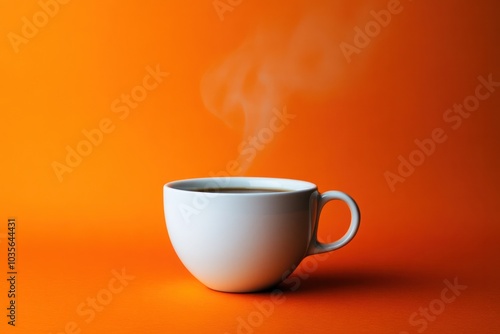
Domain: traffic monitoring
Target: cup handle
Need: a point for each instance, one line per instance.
(316, 247)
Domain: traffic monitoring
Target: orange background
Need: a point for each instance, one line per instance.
(351, 124)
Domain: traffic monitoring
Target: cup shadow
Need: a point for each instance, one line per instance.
(352, 280)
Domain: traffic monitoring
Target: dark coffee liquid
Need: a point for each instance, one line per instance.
(241, 190)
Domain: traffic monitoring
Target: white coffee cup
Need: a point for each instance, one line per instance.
(237, 241)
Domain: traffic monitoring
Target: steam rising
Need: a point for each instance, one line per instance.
(267, 68)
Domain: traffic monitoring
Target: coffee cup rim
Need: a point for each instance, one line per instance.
(287, 184)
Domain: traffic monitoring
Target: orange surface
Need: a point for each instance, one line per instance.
(360, 104)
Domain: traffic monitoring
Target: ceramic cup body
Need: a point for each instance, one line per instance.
(243, 242)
